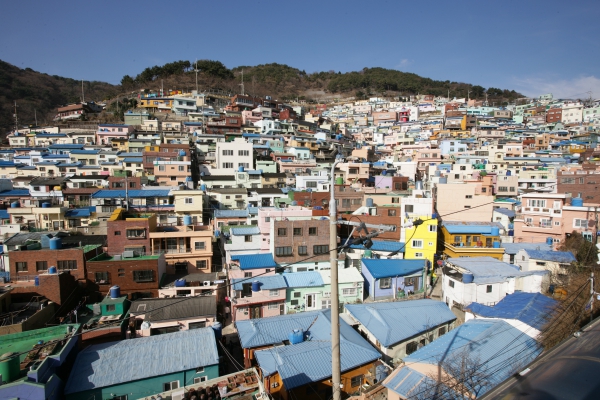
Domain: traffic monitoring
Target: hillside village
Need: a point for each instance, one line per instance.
(188, 251)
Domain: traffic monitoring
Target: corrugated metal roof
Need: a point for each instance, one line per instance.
(505, 211)
(303, 279)
(81, 151)
(550, 255)
(380, 268)
(266, 282)
(15, 193)
(4, 214)
(78, 213)
(133, 159)
(381, 245)
(488, 269)
(513, 248)
(346, 275)
(131, 360)
(253, 210)
(492, 345)
(255, 261)
(231, 213)
(393, 322)
(534, 309)
(245, 231)
(457, 227)
(174, 308)
(409, 383)
(115, 194)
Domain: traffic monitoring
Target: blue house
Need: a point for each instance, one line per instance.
(398, 328)
(389, 279)
(480, 354)
(136, 368)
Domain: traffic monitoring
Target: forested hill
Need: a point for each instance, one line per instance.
(40, 93)
(44, 93)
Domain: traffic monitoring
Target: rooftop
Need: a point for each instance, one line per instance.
(385, 268)
(255, 261)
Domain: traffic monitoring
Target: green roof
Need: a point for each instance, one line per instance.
(109, 300)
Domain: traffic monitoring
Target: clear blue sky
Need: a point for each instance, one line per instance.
(530, 46)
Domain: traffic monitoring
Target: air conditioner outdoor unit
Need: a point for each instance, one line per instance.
(206, 283)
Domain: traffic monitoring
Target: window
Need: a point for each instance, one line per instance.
(385, 283)
(200, 370)
(66, 264)
(227, 165)
(199, 246)
(273, 306)
(325, 304)
(267, 219)
(117, 233)
(469, 196)
(121, 397)
(312, 231)
(411, 347)
(391, 213)
(281, 232)
(248, 238)
(409, 208)
(161, 168)
(284, 251)
(143, 276)
(21, 266)
(274, 292)
(294, 302)
(189, 200)
(320, 249)
(297, 294)
(450, 283)
(488, 289)
(101, 277)
(201, 264)
(197, 325)
(356, 381)
(121, 272)
(110, 307)
(227, 152)
(41, 265)
(349, 292)
(297, 231)
(580, 223)
(243, 153)
(180, 168)
(432, 228)
(170, 386)
(302, 250)
(247, 274)
(418, 255)
(246, 290)
(417, 243)
(442, 331)
(136, 233)
(536, 203)
(311, 184)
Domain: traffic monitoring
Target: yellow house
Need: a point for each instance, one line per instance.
(422, 240)
(472, 239)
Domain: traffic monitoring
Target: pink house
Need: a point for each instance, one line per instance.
(268, 215)
(258, 298)
(108, 132)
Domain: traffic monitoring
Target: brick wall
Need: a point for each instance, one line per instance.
(304, 239)
(382, 218)
(51, 257)
(117, 236)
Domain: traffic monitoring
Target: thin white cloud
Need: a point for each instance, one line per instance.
(560, 88)
(405, 62)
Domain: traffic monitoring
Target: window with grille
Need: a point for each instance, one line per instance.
(349, 292)
(283, 251)
(385, 283)
(136, 233)
(101, 277)
(41, 265)
(143, 276)
(199, 246)
(273, 306)
(297, 231)
(21, 266)
(320, 249)
(66, 264)
(201, 264)
(302, 250)
(170, 386)
(312, 231)
(274, 292)
(281, 232)
(356, 381)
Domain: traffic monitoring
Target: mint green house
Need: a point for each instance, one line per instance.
(309, 291)
(136, 368)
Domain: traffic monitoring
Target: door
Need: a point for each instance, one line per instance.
(56, 225)
(255, 312)
(281, 309)
(310, 300)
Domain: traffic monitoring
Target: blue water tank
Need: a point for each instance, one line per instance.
(217, 233)
(296, 336)
(115, 292)
(496, 245)
(36, 281)
(15, 204)
(549, 241)
(52, 270)
(369, 202)
(443, 180)
(294, 203)
(256, 286)
(187, 220)
(55, 243)
(467, 277)
(511, 226)
(203, 187)
(511, 232)
(384, 172)
(508, 173)
(437, 173)
(188, 178)
(46, 205)
(180, 282)
(577, 202)
(181, 153)
(218, 329)
(495, 231)
(241, 168)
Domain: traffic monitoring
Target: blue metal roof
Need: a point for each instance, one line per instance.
(492, 345)
(381, 245)
(253, 210)
(266, 282)
(380, 268)
(551, 255)
(309, 361)
(534, 309)
(231, 213)
(78, 213)
(245, 231)
(130, 154)
(66, 146)
(304, 279)
(393, 322)
(77, 151)
(15, 193)
(255, 261)
(133, 159)
(4, 214)
(513, 248)
(468, 227)
(113, 363)
(490, 270)
(505, 211)
(113, 194)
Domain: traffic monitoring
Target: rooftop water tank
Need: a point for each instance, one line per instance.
(384, 172)
(508, 173)
(52, 270)
(55, 243)
(180, 282)
(115, 292)
(36, 280)
(369, 202)
(181, 153)
(339, 180)
(15, 204)
(443, 180)
(549, 241)
(368, 254)
(9, 366)
(577, 202)
(256, 286)
(296, 336)
(46, 205)
(294, 203)
(496, 245)
(467, 277)
(203, 187)
(187, 220)
(495, 231)
(419, 185)
(241, 168)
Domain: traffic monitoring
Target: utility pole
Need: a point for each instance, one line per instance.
(16, 118)
(242, 84)
(82, 94)
(196, 69)
(336, 373)
(592, 297)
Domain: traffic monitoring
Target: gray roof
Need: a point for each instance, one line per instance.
(174, 308)
(133, 360)
(513, 248)
(488, 269)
